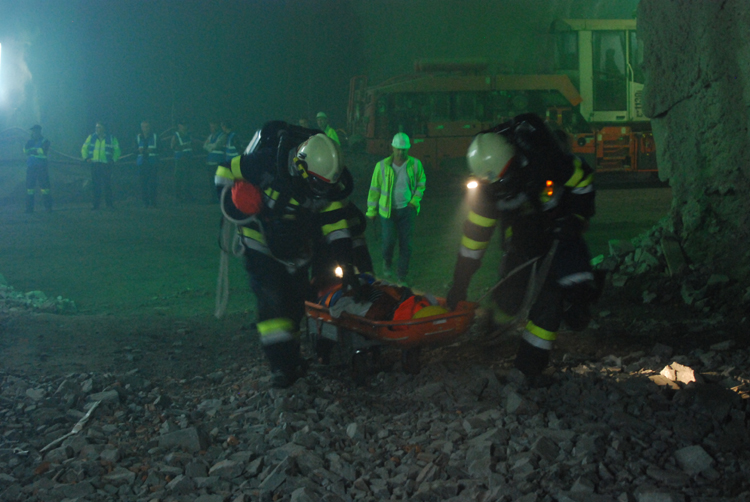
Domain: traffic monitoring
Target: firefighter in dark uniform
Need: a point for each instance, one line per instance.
(302, 187)
(37, 172)
(541, 199)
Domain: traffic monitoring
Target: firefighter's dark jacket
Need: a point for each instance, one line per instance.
(291, 222)
(554, 203)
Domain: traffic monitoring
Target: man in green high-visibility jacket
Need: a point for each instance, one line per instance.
(322, 119)
(396, 191)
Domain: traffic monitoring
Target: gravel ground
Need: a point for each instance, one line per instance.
(644, 422)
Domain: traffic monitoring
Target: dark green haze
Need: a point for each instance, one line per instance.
(247, 61)
(122, 61)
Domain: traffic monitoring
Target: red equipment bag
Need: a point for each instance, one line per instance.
(408, 308)
(247, 197)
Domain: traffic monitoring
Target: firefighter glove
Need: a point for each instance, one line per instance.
(350, 279)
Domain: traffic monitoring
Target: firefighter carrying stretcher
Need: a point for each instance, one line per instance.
(289, 193)
(541, 199)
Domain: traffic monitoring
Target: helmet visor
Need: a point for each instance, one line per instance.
(318, 185)
(254, 143)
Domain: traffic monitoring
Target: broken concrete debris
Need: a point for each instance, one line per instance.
(632, 427)
(656, 264)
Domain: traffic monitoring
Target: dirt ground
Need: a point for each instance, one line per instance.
(144, 280)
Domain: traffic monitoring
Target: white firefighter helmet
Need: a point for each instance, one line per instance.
(401, 141)
(321, 159)
(489, 156)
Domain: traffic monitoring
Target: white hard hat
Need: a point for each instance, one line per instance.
(401, 140)
(321, 115)
(489, 156)
(322, 158)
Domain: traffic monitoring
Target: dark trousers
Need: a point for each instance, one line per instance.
(546, 312)
(184, 178)
(149, 182)
(399, 225)
(101, 181)
(279, 295)
(37, 175)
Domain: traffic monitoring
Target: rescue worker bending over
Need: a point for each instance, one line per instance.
(541, 199)
(296, 196)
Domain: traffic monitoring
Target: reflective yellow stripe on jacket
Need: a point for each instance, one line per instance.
(225, 176)
(334, 223)
(580, 182)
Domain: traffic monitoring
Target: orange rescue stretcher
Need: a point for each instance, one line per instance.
(365, 337)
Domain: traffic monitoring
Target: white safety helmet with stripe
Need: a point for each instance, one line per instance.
(489, 156)
(319, 161)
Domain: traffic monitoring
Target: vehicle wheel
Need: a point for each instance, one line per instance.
(410, 361)
(359, 367)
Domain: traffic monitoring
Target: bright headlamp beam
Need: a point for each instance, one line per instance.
(471, 185)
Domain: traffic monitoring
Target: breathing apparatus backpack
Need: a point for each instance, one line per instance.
(242, 202)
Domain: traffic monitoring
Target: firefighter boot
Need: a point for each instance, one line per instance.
(531, 360)
(286, 363)
(29, 203)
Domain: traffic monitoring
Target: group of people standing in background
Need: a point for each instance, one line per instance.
(152, 153)
(102, 150)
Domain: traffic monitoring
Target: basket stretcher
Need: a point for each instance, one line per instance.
(361, 334)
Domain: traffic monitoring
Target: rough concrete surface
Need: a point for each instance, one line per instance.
(697, 66)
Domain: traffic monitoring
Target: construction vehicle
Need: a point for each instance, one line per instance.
(595, 95)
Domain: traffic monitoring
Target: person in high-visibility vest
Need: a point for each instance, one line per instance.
(37, 171)
(184, 162)
(541, 199)
(322, 120)
(396, 191)
(214, 147)
(101, 150)
(148, 163)
(232, 143)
